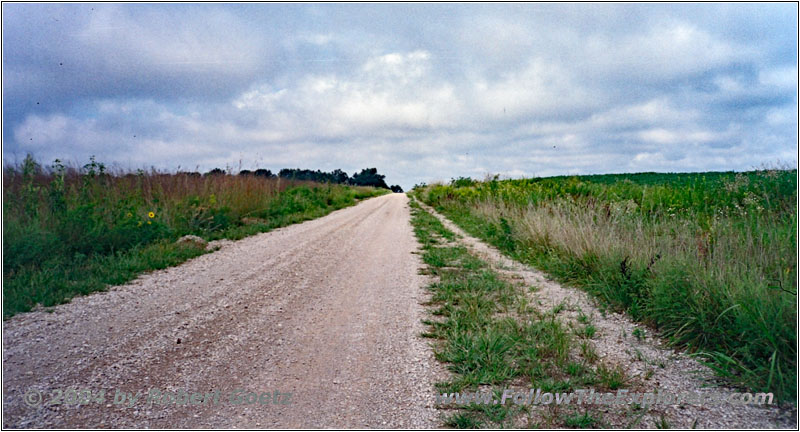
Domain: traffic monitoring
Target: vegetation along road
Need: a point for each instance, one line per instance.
(357, 319)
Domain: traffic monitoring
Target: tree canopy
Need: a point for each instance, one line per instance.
(366, 177)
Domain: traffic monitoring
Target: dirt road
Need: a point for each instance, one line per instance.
(327, 311)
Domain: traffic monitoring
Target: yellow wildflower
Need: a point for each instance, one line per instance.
(151, 215)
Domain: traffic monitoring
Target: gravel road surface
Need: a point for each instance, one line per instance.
(327, 311)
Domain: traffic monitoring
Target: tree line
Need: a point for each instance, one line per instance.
(366, 177)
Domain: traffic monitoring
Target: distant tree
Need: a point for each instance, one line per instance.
(245, 173)
(292, 173)
(261, 172)
(336, 176)
(396, 188)
(190, 173)
(339, 176)
(369, 177)
(215, 171)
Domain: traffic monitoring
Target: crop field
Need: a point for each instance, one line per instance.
(707, 259)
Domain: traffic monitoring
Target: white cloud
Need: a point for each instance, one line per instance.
(783, 117)
(390, 92)
(540, 90)
(784, 78)
(664, 136)
(659, 111)
(666, 52)
(169, 43)
(317, 38)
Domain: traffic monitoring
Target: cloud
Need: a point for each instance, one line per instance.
(666, 52)
(784, 78)
(422, 92)
(60, 53)
(390, 93)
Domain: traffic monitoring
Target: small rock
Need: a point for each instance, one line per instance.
(192, 240)
(217, 244)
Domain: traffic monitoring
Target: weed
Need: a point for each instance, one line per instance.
(463, 421)
(662, 423)
(580, 421)
(611, 378)
(588, 352)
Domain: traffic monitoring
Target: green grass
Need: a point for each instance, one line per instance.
(581, 421)
(69, 232)
(709, 259)
(59, 279)
(487, 333)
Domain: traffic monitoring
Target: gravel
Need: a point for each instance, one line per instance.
(328, 310)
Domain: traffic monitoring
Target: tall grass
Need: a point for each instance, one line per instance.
(69, 231)
(709, 258)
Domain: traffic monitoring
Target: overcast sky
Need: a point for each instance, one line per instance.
(422, 92)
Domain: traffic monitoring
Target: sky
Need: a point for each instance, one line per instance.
(423, 92)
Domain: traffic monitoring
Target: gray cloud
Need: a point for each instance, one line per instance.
(423, 92)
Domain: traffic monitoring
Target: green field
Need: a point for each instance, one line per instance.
(708, 259)
(75, 231)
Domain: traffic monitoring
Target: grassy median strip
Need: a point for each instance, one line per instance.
(709, 259)
(491, 338)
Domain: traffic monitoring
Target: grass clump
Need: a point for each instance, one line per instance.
(581, 421)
